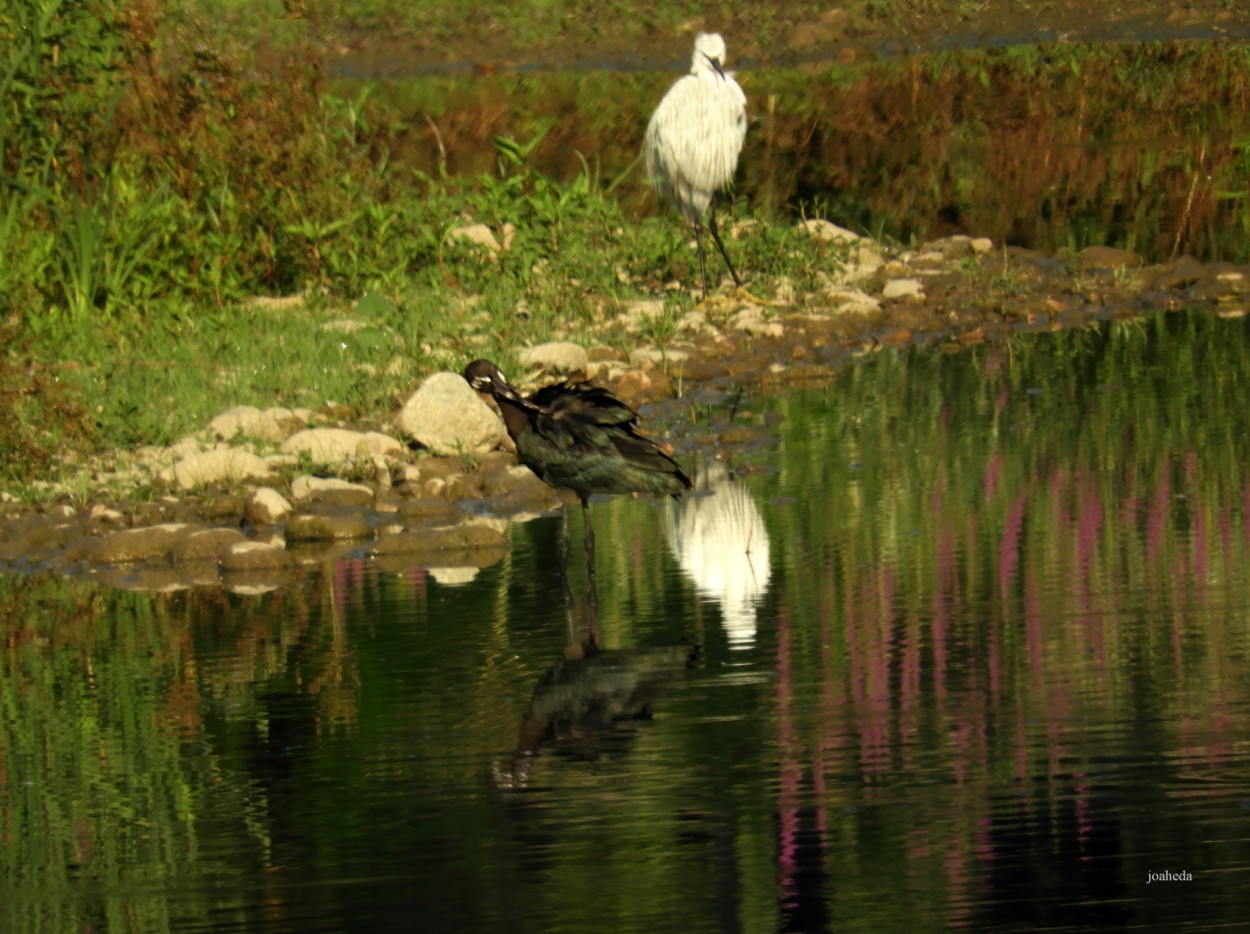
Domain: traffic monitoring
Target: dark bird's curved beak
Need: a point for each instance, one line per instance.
(715, 63)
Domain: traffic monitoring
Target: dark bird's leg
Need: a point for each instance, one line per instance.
(564, 568)
(590, 552)
(711, 225)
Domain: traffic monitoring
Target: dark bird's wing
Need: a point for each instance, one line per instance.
(599, 433)
(580, 415)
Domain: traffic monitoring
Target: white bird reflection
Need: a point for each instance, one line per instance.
(720, 542)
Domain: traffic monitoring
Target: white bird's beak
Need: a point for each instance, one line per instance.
(715, 63)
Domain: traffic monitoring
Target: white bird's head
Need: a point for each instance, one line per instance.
(709, 53)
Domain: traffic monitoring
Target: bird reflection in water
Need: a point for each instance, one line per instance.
(590, 702)
(720, 542)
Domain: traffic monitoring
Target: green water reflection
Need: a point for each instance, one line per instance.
(990, 663)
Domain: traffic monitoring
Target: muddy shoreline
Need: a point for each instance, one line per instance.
(411, 509)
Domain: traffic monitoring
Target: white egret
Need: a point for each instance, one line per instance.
(694, 138)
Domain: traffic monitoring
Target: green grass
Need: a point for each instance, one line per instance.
(153, 183)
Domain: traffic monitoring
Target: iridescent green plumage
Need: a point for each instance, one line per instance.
(580, 437)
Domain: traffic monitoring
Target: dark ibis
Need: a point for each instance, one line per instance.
(577, 436)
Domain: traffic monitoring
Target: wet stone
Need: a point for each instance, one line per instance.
(36, 537)
(638, 386)
(148, 579)
(133, 545)
(502, 476)
(220, 508)
(1216, 288)
(205, 545)
(699, 368)
(320, 527)
(251, 583)
(536, 500)
(332, 491)
(461, 545)
(256, 556)
(265, 507)
(426, 510)
(318, 554)
(199, 573)
(1179, 274)
(453, 487)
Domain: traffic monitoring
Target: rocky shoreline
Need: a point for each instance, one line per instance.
(258, 497)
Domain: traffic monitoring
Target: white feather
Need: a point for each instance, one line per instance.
(695, 135)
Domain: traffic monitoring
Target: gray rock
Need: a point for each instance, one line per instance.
(750, 321)
(218, 466)
(256, 556)
(314, 527)
(336, 445)
(455, 546)
(417, 510)
(147, 579)
(903, 288)
(205, 545)
(637, 315)
(448, 417)
(562, 357)
(331, 490)
(476, 233)
(826, 230)
(957, 246)
(851, 301)
(483, 236)
(451, 538)
(265, 506)
(133, 545)
(270, 425)
(655, 356)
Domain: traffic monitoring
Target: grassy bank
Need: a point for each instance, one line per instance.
(165, 170)
(155, 186)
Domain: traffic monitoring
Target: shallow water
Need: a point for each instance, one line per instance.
(964, 645)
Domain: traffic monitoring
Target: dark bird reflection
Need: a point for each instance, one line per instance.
(720, 542)
(589, 702)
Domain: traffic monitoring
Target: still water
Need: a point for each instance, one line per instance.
(964, 644)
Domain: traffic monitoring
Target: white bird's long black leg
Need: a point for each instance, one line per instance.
(698, 240)
(711, 225)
